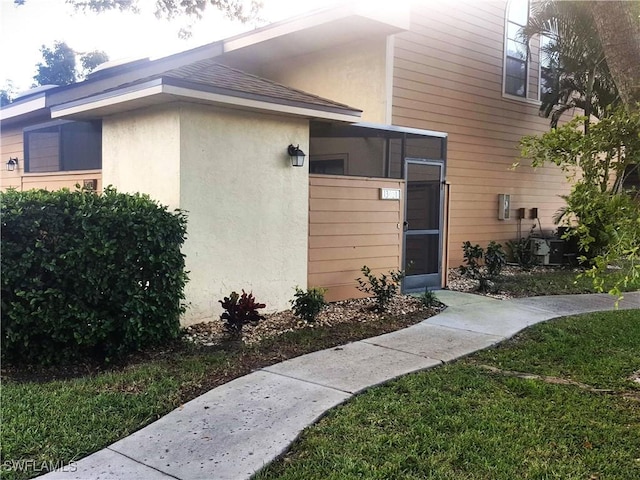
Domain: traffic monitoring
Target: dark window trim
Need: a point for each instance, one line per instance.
(55, 123)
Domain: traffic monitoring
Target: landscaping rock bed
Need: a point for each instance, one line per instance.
(210, 334)
(348, 311)
(460, 283)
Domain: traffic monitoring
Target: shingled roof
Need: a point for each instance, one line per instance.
(208, 75)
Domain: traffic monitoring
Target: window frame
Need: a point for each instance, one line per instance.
(59, 124)
(505, 57)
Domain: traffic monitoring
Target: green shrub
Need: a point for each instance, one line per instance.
(429, 299)
(240, 310)
(88, 276)
(494, 259)
(308, 304)
(383, 288)
(521, 251)
(472, 256)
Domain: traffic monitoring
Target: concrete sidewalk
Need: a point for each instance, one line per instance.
(234, 430)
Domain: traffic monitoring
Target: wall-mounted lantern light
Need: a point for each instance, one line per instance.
(12, 164)
(297, 156)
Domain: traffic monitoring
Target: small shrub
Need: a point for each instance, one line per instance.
(383, 288)
(494, 259)
(240, 310)
(521, 251)
(429, 299)
(472, 256)
(308, 304)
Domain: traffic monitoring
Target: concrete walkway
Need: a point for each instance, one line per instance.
(234, 430)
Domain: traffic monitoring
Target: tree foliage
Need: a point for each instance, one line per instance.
(243, 11)
(603, 156)
(605, 216)
(618, 27)
(89, 61)
(60, 66)
(6, 93)
(579, 71)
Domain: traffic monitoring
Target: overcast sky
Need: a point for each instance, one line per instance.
(24, 29)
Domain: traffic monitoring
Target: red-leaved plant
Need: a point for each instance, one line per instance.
(240, 310)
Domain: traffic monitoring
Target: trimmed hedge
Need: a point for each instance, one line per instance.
(87, 275)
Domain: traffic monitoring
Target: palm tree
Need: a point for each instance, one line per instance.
(618, 26)
(575, 71)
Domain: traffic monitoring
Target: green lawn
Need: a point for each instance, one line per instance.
(465, 422)
(46, 420)
(556, 282)
(63, 420)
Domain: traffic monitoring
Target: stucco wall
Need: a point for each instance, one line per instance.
(354, 74)
(247, 207)
(141, 153)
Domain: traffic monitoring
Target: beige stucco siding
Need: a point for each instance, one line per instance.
(354, 74)
(247, 207)
(448, 77)
(141, 153)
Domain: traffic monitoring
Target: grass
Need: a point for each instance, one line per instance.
(556, 282)
(61, 420)
(465, 422)
(47, 417)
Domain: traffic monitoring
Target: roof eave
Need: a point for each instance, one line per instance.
(33, 105)
(159, 91)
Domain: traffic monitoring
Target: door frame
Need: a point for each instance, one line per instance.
(430, 280)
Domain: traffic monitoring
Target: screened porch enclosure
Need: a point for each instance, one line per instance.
(376, 199)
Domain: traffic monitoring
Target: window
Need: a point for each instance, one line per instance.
(369, 151)
(63, 146)
(328, 164)
(516, 53)
(527, 68)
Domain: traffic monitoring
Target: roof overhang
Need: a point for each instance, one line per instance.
(166, 90)
(34, 106)
(319, 30)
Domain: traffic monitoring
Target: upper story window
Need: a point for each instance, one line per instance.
(527, 69)
(516, 64)
(63, 146)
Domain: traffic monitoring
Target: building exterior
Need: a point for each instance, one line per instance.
(410, 119)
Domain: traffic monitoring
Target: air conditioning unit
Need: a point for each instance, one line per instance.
(540, 249)
(556, 252)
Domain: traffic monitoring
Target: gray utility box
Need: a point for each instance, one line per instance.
(548, 251)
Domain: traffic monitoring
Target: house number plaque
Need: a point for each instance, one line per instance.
(389, 194)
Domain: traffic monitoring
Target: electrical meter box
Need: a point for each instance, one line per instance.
(504, 205)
